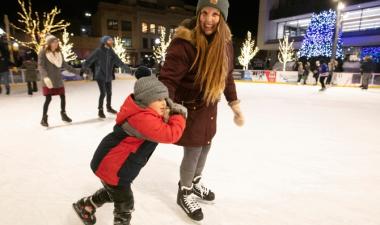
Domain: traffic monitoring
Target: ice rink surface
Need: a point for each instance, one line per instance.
(302, 158)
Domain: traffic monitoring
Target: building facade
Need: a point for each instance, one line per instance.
(360, 25)
(138, 23)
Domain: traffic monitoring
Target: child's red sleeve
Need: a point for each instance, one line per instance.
(154, 128)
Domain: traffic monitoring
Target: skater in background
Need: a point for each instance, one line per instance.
(31, 73)
(120, 156)
(366, 70)
(332, 67)
(105, 59)
(50, 65)
(197, 71)
(316, 72)
(323, 74)
(300, 72)
(306, 72)
(5, 65)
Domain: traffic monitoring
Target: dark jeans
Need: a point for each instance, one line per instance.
(105, 89)
(365, 80)
(329, 78)
(123, 200)
(47, 103)
(322, 81)
(32, 87)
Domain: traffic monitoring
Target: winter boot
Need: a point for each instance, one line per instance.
(65, 117)
(101, 114)
(86, 209)
(111, 110)
(44, 121)
(186, 201)
(201, 191)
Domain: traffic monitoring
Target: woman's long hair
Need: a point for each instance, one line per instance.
(211, 61)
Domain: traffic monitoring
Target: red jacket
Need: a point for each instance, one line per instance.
(120, 157)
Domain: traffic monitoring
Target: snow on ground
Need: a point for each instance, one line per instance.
(302, 158)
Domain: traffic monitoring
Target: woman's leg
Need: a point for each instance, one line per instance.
(102, 90)
(46, 104)
(63, 103)
(29, 85)
(189, 165)
(202, 160)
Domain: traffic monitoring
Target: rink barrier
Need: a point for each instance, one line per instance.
(291, 77)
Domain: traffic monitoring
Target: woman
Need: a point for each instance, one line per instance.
(50, 64)
(197, 70)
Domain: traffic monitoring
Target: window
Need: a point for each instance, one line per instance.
(160, 29)
(128, 42)
(152, 28)
(294, 28)
(145, 42)
(112, 25)
(144, 27)
(361, 20)
(152, 43)
(126, 26)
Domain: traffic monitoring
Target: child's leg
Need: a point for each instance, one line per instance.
(123, 203)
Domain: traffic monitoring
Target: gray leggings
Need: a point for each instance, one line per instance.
(193, 162)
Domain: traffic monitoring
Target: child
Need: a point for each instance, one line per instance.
(121, 154)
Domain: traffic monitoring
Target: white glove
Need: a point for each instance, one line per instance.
(238, 115)
(48, 82)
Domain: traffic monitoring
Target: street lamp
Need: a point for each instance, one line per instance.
(339, 8)
(157, 41)
(87, 14)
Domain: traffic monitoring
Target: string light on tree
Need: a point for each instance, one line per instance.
(248, 51)
(37, 26)
(67, 47)
(286, 53)
(159, 51)
(120, 50)
(319, 36)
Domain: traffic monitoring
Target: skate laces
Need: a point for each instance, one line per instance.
(191, 203)
(202, 189)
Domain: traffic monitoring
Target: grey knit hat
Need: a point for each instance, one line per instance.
(149, 89)
(222, 5)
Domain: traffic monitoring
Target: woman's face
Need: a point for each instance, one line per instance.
(54, 45)
(209, 19)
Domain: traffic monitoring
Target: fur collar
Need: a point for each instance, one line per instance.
(55, 59)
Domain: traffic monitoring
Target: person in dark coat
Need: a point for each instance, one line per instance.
(105, 59)
(197, 71)
(306, 72)
(31, 73)
(323, 74)
(366, 69)
(121, 155)
(5, 65)
(50, 64)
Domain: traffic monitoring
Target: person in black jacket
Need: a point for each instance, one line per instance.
(366, 70)
(105, 59)
(5, 65)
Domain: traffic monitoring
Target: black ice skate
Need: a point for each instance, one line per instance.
(111, 110)
(85, 210)
(201, 191)
(44, 121)
(101, 114)
(186, 201)
(65, 117)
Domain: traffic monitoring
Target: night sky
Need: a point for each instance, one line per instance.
(241, 16)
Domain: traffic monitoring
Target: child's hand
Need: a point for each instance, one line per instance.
(176, 108)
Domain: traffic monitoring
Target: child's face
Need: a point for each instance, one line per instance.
(159, 106)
